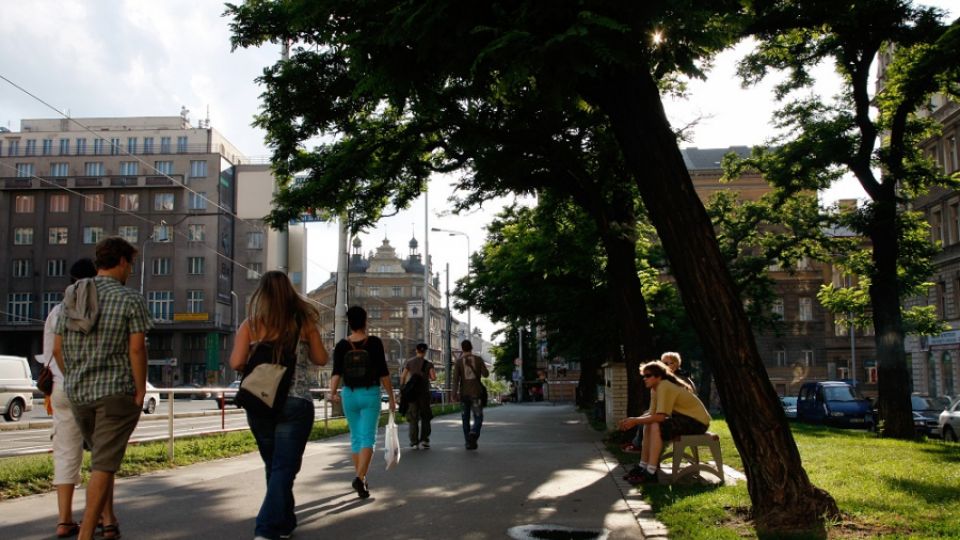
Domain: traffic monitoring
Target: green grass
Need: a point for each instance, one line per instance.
(28, 475)
(884, 488)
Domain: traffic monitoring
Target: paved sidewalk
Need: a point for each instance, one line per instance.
(538, 464)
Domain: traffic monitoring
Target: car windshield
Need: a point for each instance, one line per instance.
(839, 393)
(789, 401)
(924, 403)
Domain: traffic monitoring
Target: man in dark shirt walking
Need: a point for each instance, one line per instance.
(421, 371)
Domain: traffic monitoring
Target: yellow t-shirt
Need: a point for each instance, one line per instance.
(672, 399)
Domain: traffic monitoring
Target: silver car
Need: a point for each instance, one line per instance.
(950, 422)
(151, 400)
(789, 406)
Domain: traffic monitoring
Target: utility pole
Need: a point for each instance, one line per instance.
(283, 236)
(446, 342)
(343, 269)
(520, 382)
(426, 271)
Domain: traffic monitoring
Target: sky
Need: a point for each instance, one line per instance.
(106, 58)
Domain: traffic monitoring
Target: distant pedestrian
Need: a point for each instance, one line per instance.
(467, 385)
(421, 372)
(100, 347)
(360, 365)
(278, 316)
(67, 440)
(675, 411)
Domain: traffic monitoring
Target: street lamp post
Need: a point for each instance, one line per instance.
(469, 252)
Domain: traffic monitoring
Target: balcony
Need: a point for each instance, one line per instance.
(116, 181)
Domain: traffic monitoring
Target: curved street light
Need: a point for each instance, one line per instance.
(451, 232)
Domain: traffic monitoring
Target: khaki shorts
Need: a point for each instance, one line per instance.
(106, 426)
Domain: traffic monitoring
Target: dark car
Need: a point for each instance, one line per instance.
(197, 394)
(436, 395)
(229, 396)
(926, 414)
(789, 406)
(834, 403)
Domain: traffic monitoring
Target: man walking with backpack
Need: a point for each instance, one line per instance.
(468, 389)
(418, 372)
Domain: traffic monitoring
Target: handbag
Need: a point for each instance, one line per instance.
(266, 379)
(391, 443)
(45, 379)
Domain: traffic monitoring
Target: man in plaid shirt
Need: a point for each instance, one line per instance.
(100, 347)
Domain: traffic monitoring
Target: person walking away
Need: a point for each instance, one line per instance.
(675, 411)
(468, 388)
(100, 347)
(359, 364)
(280, 318)
(421, 372)
(67, 441)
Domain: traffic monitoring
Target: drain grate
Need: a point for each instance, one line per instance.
(555, 532)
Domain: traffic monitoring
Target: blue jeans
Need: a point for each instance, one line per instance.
(467, 406)
(281, 441)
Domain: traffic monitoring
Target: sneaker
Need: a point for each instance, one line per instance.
(425, 445)
(357, 483)
(472, 441)
(644, 477)
(363, 491)
(414, 446)
(635, 471)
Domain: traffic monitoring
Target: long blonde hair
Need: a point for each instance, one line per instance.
(278, 312)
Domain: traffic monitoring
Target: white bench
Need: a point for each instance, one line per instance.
(687, 448)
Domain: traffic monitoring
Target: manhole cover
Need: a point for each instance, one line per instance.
(555, 532)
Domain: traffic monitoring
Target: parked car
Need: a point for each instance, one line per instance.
(834, 403)
(15, 372)
(949, 422)
(199, 394)
(926, 414)
(151, 400)
(436, 394)
(229, 396)
(789, 406)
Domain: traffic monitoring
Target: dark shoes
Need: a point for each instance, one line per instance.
(472, 441)
(644, 477)
(362, 489)
(425, 445)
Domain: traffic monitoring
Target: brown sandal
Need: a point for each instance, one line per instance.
(111, 532)
(71, 528)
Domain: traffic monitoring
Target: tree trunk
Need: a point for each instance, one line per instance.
(892, 375)
(783, 498)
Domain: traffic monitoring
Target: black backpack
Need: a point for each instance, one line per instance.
(357, 371)
(264, 353)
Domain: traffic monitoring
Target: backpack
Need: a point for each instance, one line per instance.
(267, 378)
(357, 371)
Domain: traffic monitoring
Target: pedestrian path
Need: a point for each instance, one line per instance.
(537, 464)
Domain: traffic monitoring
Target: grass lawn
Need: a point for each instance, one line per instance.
(21, 476)
(884, 488)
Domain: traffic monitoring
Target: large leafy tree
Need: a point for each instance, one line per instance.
(824, 138)
(382, 60)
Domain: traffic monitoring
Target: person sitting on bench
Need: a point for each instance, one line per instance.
(675, 411)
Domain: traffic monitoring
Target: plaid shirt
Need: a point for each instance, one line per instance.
(98, 364)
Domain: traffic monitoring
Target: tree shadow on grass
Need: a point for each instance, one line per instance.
(929, 492)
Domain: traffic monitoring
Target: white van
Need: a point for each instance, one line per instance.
(15, 372)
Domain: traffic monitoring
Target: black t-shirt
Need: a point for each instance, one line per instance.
(377, 366)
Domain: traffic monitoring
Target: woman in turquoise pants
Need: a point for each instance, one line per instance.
(359, 364)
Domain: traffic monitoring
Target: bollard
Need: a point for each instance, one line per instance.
(170, 401)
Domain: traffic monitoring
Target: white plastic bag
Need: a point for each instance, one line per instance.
(391, 451)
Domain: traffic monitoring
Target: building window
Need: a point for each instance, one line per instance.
(22, 268)
(23, 236)
(13, 149)
(47, 148)
(57, 236)
(198, 169)
(936, 226)
(254, 270)
(19, 307)
(23, 204)
(181, 145)
(806, 309)
(114, 146)
(93, 203)
(163, 167)
(56, 267)
(148, 145)
(374, 291)
(777, 307)
(196, 232)
(162, 233)
(160, 305)
(31, 149)
(50, 301)
(81, 147)
(195, 301)
(808, 358)
(375, 312)
(954, 223)
(781, 355)
(93, 168)
(197, 201)
(942, 299)
(59, 203)
(25, 170)
(98, 146)
(59, 170)
(129, 168)
(163, 201)
(396, 313)
(129, 201)
(131, 145)
(64, 147)
(130, 233)
(195, 265)
(255, 240)
(946, 373)
(161, 266)
(397, 291)
(164, 145)
(92, 235)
